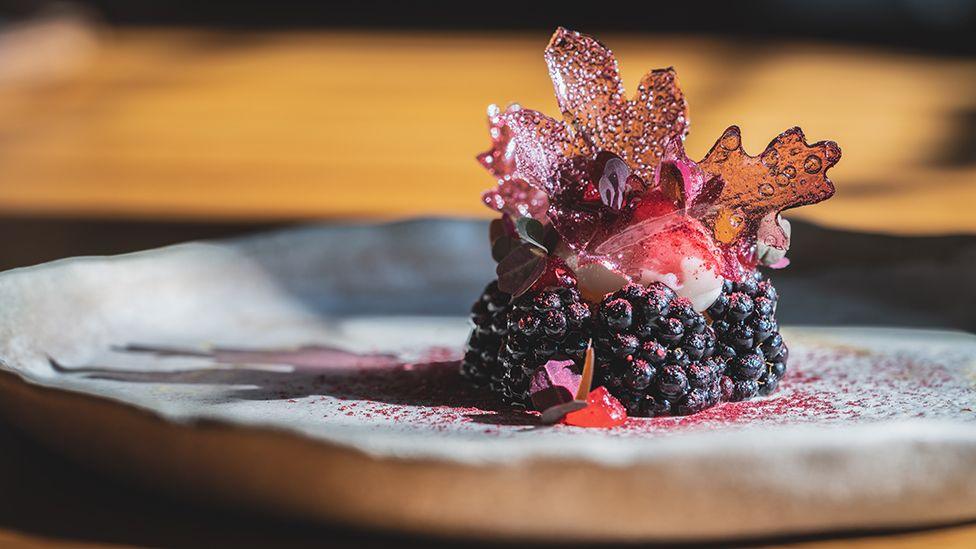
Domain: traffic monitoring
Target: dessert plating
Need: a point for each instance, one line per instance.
(611, 238)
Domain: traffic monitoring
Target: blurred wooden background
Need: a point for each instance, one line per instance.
(223, 125)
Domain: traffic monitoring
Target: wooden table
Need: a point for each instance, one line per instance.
(229, 126)
(207, 125)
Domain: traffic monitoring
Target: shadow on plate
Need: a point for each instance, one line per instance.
(317, 370)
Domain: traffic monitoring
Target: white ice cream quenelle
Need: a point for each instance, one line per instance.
(696, 281)
(678, 252)
(596, 281)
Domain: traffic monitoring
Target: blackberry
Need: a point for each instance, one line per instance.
(654, 352)
(489, 314)
(744, 321)
(551, 323)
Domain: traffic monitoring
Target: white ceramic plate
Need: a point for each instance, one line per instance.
(233, 372)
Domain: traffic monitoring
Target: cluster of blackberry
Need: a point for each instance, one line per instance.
(552, 323)
(655, 353)
(490, 318)
(744, 319)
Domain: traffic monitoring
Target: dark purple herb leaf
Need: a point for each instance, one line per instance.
(519, 270)
(554, 414)
(551, 238)
(502, 247)
(496, 230)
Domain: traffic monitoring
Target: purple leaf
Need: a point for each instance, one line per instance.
(502, 247)
(554, 414)
(496, 230)
(520, 269)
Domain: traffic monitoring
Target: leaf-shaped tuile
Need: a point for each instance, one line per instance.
(540, 147)
(592, 98)
(789, 173)
(512, 195)
(677, 176)
(613, 180)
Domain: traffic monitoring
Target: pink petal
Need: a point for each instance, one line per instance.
(781, 264)
(553, 383)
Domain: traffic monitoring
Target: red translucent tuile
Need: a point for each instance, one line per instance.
(557, 274)
(660, 245)
(540, 147)
(512, 196)
(602, 410)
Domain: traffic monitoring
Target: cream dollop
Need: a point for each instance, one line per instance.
(696, 281)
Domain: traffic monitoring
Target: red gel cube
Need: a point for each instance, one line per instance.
(602, 410)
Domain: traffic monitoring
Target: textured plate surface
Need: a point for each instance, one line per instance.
(870, 428)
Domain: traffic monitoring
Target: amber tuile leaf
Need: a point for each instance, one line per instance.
(591, 96)
(787, 174)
